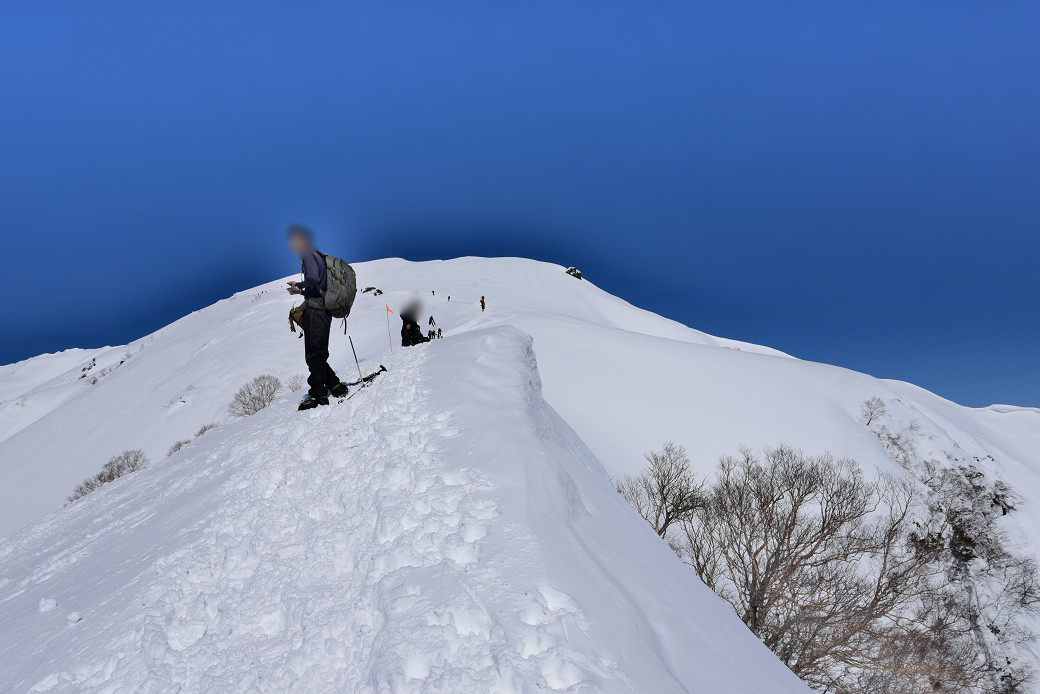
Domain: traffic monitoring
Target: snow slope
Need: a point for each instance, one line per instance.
(161, 388)
(448, 529)
(442, 531)
(43, 377)
(625, 379)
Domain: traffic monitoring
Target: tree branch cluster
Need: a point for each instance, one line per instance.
(850, 581)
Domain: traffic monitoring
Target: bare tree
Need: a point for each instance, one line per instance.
(858, 585)
(816, 561)
(872, 410)
(665, 491)
(254, 396)
(117, 466)
(294, 383)
(177, 446)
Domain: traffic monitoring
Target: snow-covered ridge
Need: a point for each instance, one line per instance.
(67, 412)
(616, 380)
(443, 531)
(1011, 408)
(625, 379)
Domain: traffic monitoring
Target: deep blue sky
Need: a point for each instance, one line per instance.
(851, 182)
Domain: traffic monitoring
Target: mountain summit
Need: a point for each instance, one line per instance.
(451, 528)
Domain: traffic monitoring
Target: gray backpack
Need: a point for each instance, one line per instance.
(341, 287)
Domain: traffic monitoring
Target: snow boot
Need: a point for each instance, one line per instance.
(339, 390)
(310, 402)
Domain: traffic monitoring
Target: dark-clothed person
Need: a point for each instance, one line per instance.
(317, 322)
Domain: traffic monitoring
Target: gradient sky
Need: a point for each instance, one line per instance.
(851, 182)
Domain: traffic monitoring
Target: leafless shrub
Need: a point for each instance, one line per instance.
(204, 428)
(872, 410)
(294, 383)
(901, 446)
(177, 446)
(665, 491)
(254, 396)
(122, 464)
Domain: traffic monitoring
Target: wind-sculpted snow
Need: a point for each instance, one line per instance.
(442, 531)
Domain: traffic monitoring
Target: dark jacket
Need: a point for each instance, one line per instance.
(410, 333)
(314, 281)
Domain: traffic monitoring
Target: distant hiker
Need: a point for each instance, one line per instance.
(431, 334)
(449, 298)
(317, 318)
(440, 333)
(411, 335)
(433, 292)
(482, 304)
(432, 322)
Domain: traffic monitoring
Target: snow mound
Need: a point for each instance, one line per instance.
(443, 531)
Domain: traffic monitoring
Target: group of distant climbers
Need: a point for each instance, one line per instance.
(329, 287)
(411, 333)
(434, 333)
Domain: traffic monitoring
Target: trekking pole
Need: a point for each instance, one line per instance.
(360, 375)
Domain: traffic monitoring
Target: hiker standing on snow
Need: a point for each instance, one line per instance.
(316, 322)
(481, 304)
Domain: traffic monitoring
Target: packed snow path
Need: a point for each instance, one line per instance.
(443, 531)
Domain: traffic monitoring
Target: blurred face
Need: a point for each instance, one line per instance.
(299, 244)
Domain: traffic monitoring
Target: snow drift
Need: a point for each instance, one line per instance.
(443, 531)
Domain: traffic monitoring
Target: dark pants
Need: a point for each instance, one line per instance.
(316, 326)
